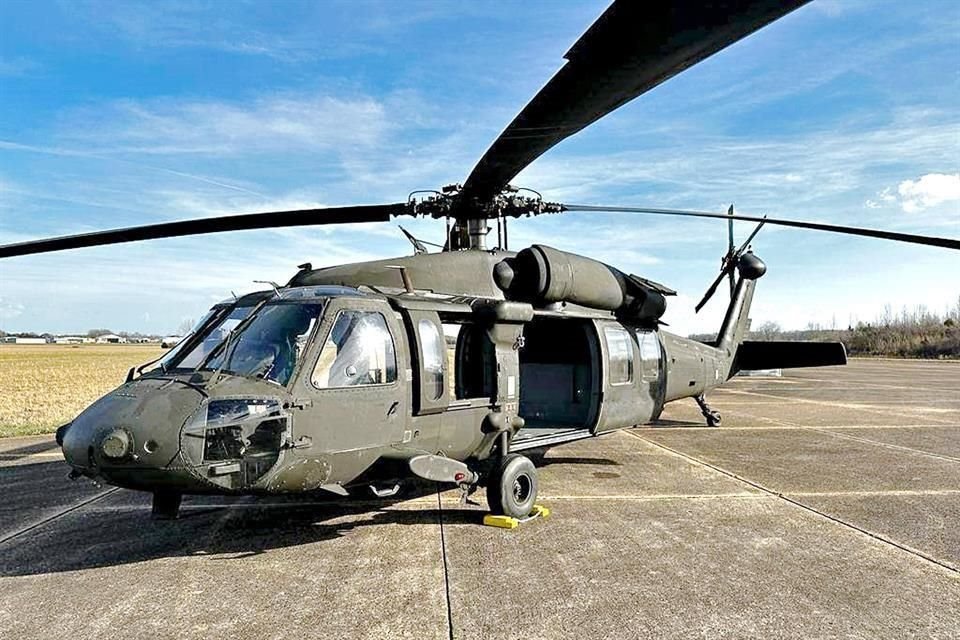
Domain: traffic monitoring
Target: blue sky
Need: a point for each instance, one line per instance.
(114, 114)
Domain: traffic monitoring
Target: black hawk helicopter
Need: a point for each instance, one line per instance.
(444, 365)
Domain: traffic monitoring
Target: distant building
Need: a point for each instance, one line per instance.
(170, 341)
(68, 340)
(19, 340)
(111, 338)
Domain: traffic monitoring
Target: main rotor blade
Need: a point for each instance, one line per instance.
(634, 46)
(933, 241)
(269, 220)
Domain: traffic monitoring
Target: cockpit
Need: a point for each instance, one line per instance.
(265, 336)
(218, 410)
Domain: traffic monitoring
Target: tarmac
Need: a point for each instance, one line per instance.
(827, 505)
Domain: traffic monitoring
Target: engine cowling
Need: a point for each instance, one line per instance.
(543, 275)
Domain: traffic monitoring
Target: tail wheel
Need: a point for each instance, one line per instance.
(512, 488)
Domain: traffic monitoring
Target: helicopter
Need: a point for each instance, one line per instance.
(444, 366)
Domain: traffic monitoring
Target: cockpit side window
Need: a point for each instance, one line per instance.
(359, 351)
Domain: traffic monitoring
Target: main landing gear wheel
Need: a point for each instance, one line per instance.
(512, 487)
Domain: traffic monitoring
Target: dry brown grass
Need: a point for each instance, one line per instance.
(45, 386)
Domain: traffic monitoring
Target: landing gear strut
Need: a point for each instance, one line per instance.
(711, 415)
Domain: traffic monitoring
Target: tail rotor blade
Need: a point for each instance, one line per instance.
(730, 231)
(746, 243)
(729, 262)
(713, 287)
(730, 249)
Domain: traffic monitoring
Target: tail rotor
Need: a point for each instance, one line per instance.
(730, 261)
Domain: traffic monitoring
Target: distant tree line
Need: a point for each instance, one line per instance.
(911, 333)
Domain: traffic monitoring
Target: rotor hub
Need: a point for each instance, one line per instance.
(471, 216)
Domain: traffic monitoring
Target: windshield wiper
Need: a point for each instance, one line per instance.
(227, 353)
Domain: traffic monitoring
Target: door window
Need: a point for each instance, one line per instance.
(434, 353)
(649, 356)
(359, 351)
(619, 354)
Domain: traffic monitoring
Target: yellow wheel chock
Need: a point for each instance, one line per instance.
(506, 522)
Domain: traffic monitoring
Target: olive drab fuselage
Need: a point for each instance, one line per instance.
(399, 358)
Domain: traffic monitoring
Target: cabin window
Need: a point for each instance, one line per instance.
(434, 353)
(619, 355)
(359, 351)
(649, 356)
(471, 358)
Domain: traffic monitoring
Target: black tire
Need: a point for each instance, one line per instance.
(512, 487)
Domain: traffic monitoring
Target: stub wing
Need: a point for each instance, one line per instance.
(755, 354)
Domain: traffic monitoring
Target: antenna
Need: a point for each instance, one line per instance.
(276, 287)
(418, 247)
(404, 276)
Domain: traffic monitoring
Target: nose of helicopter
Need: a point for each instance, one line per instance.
(132, 434)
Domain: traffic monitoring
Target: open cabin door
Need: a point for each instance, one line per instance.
(620, 372)
(631, 375)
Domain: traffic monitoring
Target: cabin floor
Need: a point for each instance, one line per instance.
(531, 437)
(825, 506)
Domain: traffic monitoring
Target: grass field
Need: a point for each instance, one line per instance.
(45, 386)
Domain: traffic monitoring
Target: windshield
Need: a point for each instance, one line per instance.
(270, 344)
(174, 354)
(214, 334)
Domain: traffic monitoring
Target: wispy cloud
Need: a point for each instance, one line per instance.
(929, 191)
(273, 123)
(68, 152)
(10, 309)
(191, 25)
(17, 66)
(803, 169)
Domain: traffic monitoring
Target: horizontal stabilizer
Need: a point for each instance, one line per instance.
(753, 355)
